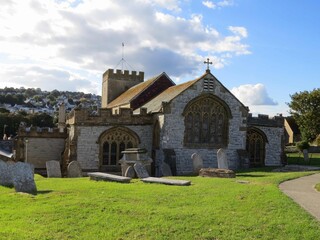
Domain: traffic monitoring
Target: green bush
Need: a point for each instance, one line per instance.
(318, 140)
(303, 145)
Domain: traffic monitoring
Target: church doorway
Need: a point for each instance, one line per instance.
(256, 147)
(112, 143)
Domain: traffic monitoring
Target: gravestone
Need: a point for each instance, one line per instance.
(166, 170)
(5, 174)
(74, 169)
(197, 163)
(23, 178)
(53, 169)
(130, 172)
(222, 159)
(305, 155)
(140, 170)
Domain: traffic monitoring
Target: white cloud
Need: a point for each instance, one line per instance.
(85, 38)
(209, 4)
(241, 31)
(253, 95)
(218, 4)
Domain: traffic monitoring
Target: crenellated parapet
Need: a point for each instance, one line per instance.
(265, 120)
(41, 132)
(123, 75)
(106, 117)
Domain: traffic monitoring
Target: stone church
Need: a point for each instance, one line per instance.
(171, 122)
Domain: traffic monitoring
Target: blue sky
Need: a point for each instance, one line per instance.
(262, 50)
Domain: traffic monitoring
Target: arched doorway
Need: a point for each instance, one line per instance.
(112, 142)
(256, 147)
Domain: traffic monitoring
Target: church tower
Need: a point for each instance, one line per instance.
(116, 83)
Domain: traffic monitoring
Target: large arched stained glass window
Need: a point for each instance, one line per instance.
(206, 123)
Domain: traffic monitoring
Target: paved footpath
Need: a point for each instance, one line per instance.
(302, 191)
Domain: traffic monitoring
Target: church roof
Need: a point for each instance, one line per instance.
(155, 104)
(128, 96)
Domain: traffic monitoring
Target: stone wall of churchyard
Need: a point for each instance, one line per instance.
(88, 146)
(274, 146)
(172, 136)
(39, 145)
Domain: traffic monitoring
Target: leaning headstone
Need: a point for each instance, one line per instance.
(130, 172)
(222, 159)
(53, 169)
(197, 163)
(74, 169)
(305, 155)
(5, 175)
(140, 170)
(23, 178)
(166, 170)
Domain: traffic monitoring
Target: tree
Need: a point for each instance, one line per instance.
(305, 109)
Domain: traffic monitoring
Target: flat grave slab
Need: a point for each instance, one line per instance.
(100, 176)
(166, 181)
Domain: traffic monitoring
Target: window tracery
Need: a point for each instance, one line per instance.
(206, 123)
(114, 141)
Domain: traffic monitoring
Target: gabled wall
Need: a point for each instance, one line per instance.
(172, 135)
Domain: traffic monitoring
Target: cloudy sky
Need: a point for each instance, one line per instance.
(263, 51)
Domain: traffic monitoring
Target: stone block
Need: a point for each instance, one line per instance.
(217, 172)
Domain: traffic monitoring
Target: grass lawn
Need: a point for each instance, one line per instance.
(211, 208)
(297, 158)
(318, 187)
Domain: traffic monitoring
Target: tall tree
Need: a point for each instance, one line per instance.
(305, 109)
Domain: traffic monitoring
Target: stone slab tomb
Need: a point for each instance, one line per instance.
(53, 169)
(99, 176)
(74, 170)
(222, 159)
(197, 163)
(217, 172)
(166, 181)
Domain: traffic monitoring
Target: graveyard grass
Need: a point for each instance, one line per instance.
(211, 208)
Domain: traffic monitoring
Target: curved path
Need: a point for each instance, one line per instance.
(302, 190)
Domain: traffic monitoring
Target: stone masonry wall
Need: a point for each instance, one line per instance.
(173, 128)
(274, 145)
(88, 148)
(41, 150)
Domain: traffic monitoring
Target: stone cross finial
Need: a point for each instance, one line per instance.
(207, 62)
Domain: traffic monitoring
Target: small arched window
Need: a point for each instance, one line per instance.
(206, 123)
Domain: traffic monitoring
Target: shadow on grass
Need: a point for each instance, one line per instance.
(44, 191)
